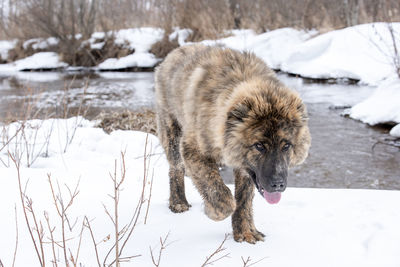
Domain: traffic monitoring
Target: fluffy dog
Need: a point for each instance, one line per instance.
(216, 106)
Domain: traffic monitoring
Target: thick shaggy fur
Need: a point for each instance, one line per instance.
(213, 105)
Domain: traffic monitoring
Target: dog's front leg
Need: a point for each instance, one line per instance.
(218, 200)
(242, 219)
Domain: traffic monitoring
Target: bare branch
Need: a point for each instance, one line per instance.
(51, 230)
(24, 208)
(246, 263)
(163, 246)
(16, 236)
(220, 249)
(87, 224)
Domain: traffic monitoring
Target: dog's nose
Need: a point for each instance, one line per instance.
(278, 185)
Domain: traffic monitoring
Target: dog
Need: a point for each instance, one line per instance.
(217, 106)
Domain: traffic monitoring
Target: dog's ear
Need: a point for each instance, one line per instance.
(239, 112)
(301, 147)
(301, 108)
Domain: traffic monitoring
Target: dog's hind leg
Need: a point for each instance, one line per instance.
(169, 132)
(218, 200)
(242, 218)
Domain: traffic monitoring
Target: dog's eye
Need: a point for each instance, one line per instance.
(286, 147)
(259, 146)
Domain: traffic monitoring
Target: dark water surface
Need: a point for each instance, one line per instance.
(341, 156)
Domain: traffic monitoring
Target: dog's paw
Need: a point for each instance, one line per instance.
(221, 209)
(179, 207)
(249, 236)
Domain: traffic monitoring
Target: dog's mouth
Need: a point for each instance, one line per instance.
(270, 197)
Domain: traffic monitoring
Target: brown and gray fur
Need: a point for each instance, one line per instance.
(213, 106)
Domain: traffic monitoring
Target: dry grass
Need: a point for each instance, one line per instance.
(207, 18)
(144, 121)
(162, 48)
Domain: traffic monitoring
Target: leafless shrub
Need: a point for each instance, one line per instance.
(210, 259)
(62, 208)
(27, 205)
(123, 236)
(163, 246)
(207, 18)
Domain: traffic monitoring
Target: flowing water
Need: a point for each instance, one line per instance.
(342, 155)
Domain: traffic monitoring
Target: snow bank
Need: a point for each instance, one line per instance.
(274, 47)
(38, 61)
(363, 52)
(383, 106)
(141, 40)
(309, 227)
(40, 43)
(137, 59)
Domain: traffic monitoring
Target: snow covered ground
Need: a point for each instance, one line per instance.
(309, 227)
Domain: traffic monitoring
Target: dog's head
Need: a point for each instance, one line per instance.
(267, 132)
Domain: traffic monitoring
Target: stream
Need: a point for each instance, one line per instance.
(345, 153)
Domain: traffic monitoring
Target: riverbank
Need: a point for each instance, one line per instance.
(363, 54)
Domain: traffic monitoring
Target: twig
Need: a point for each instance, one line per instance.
(16, 236)
(216, 252)
(39, 231)
(75, 260)
(148, 201)
(62, 211)
(163, 246)
(21, 194)
(246, 263)
(93, 240)
(125, 234)
(51, 230)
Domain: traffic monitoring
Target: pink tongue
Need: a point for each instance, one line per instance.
(272, 198)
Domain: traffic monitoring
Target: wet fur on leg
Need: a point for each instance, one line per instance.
(242, 219)
(218, 199)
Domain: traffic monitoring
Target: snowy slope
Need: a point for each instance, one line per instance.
(309, 227)
(363, 52)
(274, 47)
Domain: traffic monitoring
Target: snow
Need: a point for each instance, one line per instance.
(180, 35)
(274, 47)
(309, 227)
(38, 61)
(40, 43)
(395, 131)
(363, 52)
(6, 46)
(383, 106)
(140, 39)
(137, 59)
